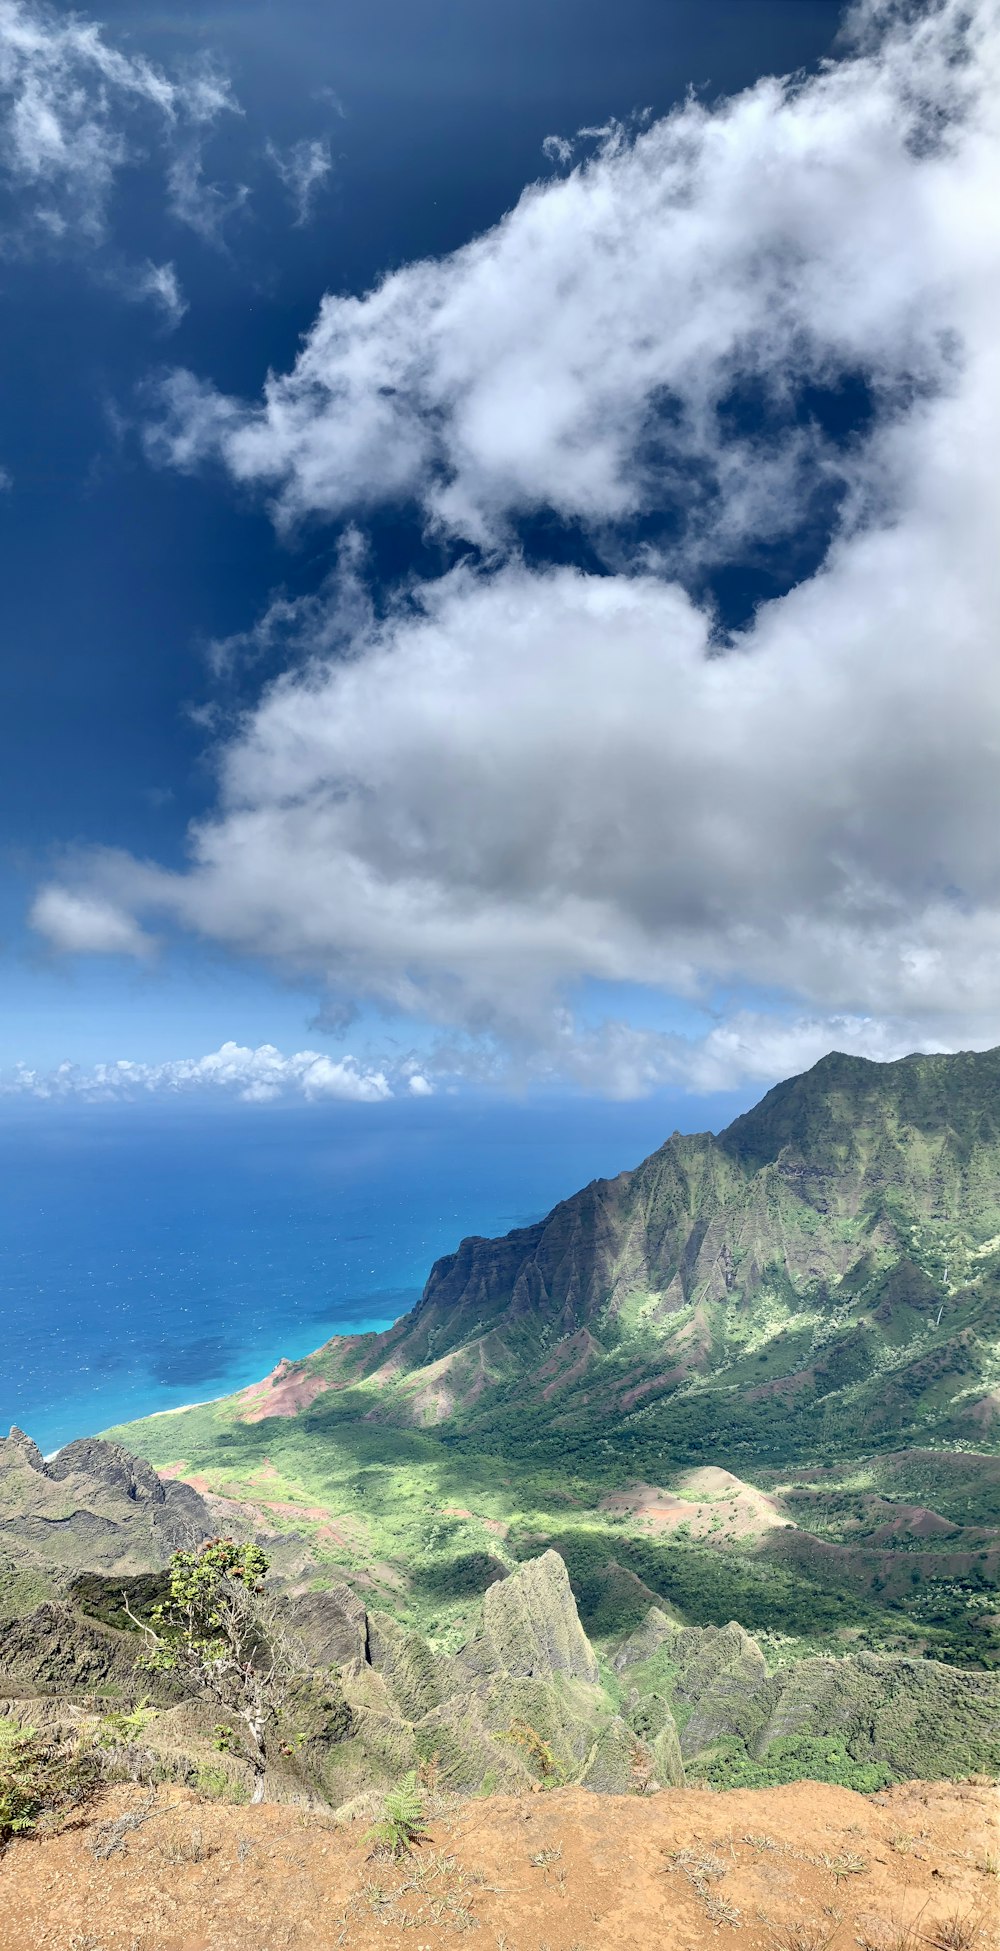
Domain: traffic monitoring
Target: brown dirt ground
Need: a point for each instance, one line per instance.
(805, 1868)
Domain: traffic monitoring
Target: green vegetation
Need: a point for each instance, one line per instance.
(402, 1822)
(810, 1301)
(799, 1759)
(217, 1636)
(40, 1780)
(756, 1379)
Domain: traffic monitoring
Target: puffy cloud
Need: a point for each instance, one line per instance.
(592, 353)
(69, 102)
(616, 1059)
(303, 169)
(84, 922)
(521, 778)
(257, 1076)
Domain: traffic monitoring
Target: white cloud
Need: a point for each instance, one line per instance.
(303, 168)
(751, 1047)
(84, 922)
(522, 778)
(580, 356)
(204, 207)
(160, 284)
(258, 1076)
(75, 110)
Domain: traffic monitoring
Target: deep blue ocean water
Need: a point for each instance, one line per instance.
(157, 1254)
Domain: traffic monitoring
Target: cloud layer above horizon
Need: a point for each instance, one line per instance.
(472, 797)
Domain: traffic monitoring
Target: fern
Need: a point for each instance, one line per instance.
(402, 1821)
(39, 1780)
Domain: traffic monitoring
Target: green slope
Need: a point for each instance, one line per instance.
(810, 1301)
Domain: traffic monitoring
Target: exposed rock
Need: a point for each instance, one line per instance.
(467, 1751)
(531, 1625)
(94, 1507)
(915, 1716)
(54, 1651)
(110, 1466)
(667, 1757)
(416, 1681)
(333, 1625)
(27, 1448)
(722, 1673)
(619, 1762)
(657, 1630)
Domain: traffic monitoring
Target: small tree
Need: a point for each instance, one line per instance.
(222, 1637)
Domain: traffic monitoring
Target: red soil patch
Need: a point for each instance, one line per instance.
(783, 1386)
(179, 1474)
(282, 1393)
(493, 1524)
(678, 1871)
(717, 1505)
(654, 1385)
(580, 1348)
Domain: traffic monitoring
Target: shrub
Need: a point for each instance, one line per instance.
(220, 1635)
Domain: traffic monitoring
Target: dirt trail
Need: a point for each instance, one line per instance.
(805, 1868)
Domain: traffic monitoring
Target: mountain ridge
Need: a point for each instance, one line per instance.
(809, 1301)
(852, 1172)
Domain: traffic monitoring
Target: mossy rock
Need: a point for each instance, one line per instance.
(466, 1753)
(917, 1717)
(531, 1626)
(667, 1757)
(315, 1713)
(332, 1625)
(387, 1743)
(656, 1631)
(619, 1762)
(415, 1679)
(649, 1716)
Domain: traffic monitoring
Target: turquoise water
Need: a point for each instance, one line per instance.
(154, 1255)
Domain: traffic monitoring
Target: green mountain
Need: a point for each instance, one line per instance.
(824, 1272)
(756, 1378)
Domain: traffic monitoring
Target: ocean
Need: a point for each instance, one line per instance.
(155, 1254)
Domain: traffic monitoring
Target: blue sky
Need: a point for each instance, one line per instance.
(574, 666)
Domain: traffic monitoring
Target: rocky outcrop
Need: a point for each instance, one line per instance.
(94, 1506)
(415, 1680)
(521, 1704)
(27, 1449)
(531, 1626)
(915, 1717)
(332, 1625)
(53, 1651)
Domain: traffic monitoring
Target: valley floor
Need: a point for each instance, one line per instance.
(803, 1868)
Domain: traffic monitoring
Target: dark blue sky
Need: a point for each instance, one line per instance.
(116, 574)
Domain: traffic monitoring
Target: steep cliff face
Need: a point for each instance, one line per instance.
(831, 1169)
(848, 1227)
